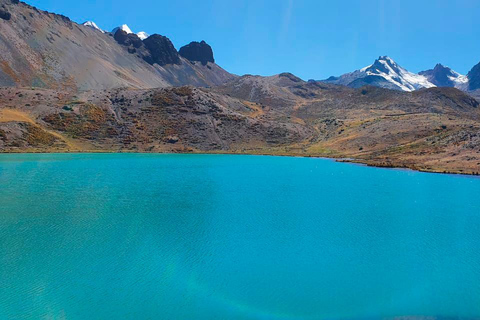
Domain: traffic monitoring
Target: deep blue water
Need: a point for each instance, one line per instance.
(131, 236)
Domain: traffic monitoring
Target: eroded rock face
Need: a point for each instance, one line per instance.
(198, 51)
(162, 51)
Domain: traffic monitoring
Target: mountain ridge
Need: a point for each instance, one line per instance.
(385, 73)
(47, 50)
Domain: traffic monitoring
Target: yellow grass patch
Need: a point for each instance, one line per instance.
(8, 115)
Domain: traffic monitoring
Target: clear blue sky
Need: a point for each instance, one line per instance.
(313, 39)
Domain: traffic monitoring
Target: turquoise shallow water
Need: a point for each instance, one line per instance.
(130, 236)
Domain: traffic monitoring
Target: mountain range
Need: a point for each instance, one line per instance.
(68, 87)
(386, 73)
(52, 56)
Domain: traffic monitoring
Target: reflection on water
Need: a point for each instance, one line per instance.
(233, 237)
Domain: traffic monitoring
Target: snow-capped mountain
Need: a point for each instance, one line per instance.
(443, 76)
(143, 35)
(92, 25)
(123, 27)
(385, 73)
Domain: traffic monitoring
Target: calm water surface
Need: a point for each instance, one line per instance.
(128, 236)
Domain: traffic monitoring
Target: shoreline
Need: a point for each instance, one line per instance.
(354, 161)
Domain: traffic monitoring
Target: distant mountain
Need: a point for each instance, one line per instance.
(384, 73)
(279, 91)
(442, 76)
(92, 25)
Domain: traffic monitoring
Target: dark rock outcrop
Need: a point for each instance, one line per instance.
(5, 15)
(198, 51)
(127, 39)
(474, 78)
(155, 49)
(162, 51)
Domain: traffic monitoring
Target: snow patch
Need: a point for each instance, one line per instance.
(143, 35)
(123, 27)
(92, 25)
(457, 78)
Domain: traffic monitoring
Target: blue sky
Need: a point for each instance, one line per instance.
(313, 39)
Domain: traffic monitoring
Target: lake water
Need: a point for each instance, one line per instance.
(131, 236)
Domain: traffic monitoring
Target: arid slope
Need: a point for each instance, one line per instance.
(42, 49)
(431, 130)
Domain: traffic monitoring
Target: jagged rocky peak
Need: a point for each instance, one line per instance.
(384, 64)
(155, 49)
(198, 51)
(443, 76)
(162, 51)
(127, 39)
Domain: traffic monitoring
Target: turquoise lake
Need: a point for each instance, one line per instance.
(132, 236)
